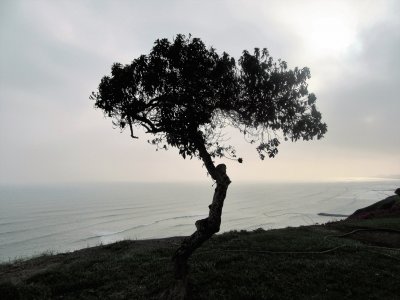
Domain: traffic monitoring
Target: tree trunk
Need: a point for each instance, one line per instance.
(205, 227)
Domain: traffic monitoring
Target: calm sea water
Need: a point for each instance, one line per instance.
(65, 218)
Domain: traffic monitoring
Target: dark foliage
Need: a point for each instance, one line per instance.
(185, 94)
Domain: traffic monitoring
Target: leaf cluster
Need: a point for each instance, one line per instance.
(184, 94)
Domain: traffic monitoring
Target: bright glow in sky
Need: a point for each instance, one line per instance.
(328, 36)
(54, 53)
(326, 28)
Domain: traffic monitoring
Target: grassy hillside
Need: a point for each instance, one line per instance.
(313, 262)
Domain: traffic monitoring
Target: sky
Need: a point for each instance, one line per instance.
(54, 53)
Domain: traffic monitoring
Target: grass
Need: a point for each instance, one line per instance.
(310, 262)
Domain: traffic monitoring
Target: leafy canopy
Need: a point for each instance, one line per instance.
(184, 95)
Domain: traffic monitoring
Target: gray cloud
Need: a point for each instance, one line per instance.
(363, 96)
(53, 54)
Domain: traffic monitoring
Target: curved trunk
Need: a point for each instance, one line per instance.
(208, 226)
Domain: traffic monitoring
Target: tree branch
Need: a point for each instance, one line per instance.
(131, 129)
(151, 128)
(217, 173)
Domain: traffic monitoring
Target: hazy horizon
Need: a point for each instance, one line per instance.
(65, 218)
(205, 181)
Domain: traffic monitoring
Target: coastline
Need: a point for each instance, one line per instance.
(322, 261)
(68, 218)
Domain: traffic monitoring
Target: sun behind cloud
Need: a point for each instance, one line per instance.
(324, 29)
(328, 36)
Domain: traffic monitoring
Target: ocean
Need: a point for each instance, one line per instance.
(61, 218)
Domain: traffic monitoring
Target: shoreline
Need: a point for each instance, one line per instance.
(324, 261)
(130, 219)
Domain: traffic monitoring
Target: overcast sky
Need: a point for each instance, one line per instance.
(53, 54)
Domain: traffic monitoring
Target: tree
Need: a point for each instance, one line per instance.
(184, 94)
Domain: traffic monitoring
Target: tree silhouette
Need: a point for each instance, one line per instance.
(184, 94)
